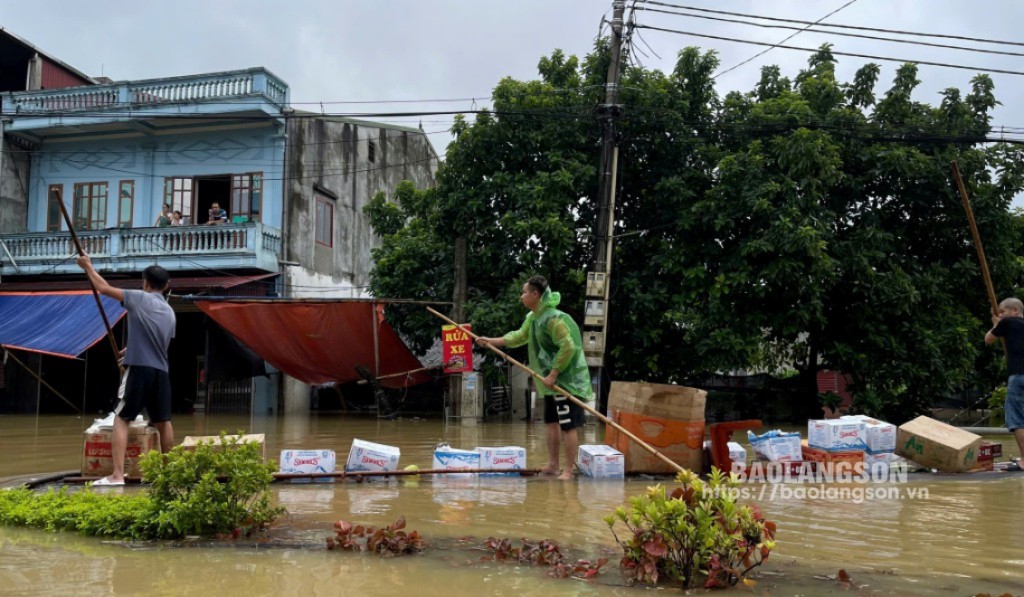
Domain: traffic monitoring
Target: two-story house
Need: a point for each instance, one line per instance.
(293, 185)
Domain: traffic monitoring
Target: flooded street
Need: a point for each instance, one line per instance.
(963, 538)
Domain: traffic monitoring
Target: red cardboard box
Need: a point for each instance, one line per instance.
(989, 451)
(97, 460)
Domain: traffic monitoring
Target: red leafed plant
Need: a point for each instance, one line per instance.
(542, 553)
(697, 535)
(388, 541)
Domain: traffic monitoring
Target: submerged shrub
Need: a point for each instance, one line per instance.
(695, 535)
(208, 492)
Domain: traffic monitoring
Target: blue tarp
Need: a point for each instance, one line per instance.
(64, 324)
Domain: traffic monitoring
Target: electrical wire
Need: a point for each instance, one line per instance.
(834, 52)
(837, 26)
(779, 45)
(808, 29)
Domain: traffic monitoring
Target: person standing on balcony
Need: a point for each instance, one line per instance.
(217, 215)
(146, 382)
(176, 219)
(163, 219)
(556, 351)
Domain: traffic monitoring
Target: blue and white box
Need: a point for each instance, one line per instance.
(368, 456)
(601, 462)
(834, 435)
(308, 461)
(448, 458)
(512, 458)
(776, 446)
(880, 436)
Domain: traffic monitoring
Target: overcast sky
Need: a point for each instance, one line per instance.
(350, 50)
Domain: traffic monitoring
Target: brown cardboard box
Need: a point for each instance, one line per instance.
(827, 459)
(190, 442)
(97, 460)
(669, 418)
(936, 445)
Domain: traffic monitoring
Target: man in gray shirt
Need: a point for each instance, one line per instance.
(146, 382)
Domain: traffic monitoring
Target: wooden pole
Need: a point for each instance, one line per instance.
(400, 374)
(977, 243)
(42, 381)
(539, 379)
(95, 293)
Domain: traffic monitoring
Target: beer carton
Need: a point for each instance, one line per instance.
(836, 435)
(879, 436)
(933, 444)
(506, 457)
(97, 451)
(190, 442)
(308, 461)
(989, 451)
(601, 462)
(368, 456)
(450, 459)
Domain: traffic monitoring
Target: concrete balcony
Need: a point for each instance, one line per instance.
(246, 92)
(177, 248)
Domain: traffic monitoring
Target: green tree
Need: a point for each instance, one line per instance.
(806, 223)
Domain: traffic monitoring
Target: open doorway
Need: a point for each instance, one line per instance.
(210, 190)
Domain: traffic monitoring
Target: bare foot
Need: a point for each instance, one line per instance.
(566, 476)
(550, 470)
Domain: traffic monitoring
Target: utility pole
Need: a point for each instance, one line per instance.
(459, 298)
(596, 309)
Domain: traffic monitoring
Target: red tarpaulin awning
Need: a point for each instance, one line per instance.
(318, 342)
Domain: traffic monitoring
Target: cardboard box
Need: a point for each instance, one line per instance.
(368, 456)
(512, 458)
(97, 459)
(872, 459)
(936, 445)
(829, 458)
(667, 417)
(879, 435)
(308, 461)
(601, 462)
(776, 447)
(836, 434)
(190, 442)
(737, 453)
(451, 459)
(989, 451)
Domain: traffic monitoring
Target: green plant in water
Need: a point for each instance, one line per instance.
(208, 492)
(696, 534)
(211, 490)
(543, 553)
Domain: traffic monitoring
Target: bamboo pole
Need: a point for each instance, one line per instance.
(561, 391)
(977, 242)
(42, 381)
(95, 293)
(401, 374)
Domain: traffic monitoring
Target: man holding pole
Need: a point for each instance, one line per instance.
(555, 351)
(145, 382)
(1009, 325)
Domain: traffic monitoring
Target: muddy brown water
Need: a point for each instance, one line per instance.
(963, 538)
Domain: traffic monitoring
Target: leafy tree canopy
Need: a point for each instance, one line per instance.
(808, 223)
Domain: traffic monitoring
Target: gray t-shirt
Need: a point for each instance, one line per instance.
(151, 325)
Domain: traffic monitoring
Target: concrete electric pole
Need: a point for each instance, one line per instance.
(597, 308)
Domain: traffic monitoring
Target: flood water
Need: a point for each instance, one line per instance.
(965, 537)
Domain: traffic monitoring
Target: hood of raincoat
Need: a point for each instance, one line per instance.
(549, 298)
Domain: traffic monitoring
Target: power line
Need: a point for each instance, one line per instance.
(837, 26)
(839, 33)
(778, 45)
(836, 53)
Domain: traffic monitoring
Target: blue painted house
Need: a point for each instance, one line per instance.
(114, 153)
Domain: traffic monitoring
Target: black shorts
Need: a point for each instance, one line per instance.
(561, 410)
(144, 387)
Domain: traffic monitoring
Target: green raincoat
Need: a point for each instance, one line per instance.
(554, 343)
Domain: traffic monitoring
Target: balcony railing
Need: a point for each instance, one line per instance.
(151, 92)
(177, 247)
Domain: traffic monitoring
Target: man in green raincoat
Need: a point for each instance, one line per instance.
(556, 352)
